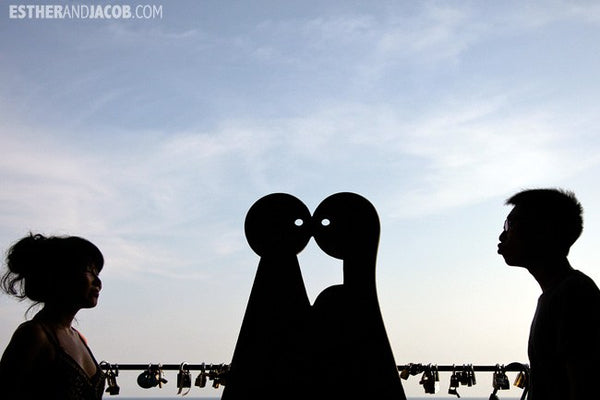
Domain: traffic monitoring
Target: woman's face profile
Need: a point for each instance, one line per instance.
(89, 287)
(81, 289)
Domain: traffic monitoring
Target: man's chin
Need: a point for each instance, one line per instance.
(510, 262)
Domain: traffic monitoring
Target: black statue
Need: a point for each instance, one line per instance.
(336, 349)
(269, 347)
(350, 343)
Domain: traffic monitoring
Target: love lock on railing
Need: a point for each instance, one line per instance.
(152, 376)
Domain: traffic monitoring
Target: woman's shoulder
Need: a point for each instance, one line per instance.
(29, 347)
(32, 329)
(31, 338)
(29, 353)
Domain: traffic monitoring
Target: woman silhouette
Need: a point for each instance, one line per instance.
(46, 357)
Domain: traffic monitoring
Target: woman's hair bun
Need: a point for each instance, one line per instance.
(24, 256)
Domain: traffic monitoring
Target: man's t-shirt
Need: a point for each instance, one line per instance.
(566, 327)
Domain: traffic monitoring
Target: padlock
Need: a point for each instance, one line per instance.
(458, 377)
(213, 375)
(454, 383)
(500, 380)
(521, 380)
(405, 373)
(472, 378)
(436, 379)
(159, 376)
(504, 383)
(415, 369)
(202, 377)
(464, 376)
(495, 378)
(424, 380)
(111, 378)
(217, 373)
(113, 389)
(469, 375)
(428, 380)
(201, 380)
(223, 374)
(184, 379)
(147, 379)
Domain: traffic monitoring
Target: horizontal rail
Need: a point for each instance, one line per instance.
(164, 367)
(462, 374)
(512, 367)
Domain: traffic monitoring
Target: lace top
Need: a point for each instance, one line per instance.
(67, 380)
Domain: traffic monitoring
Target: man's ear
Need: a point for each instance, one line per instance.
(547, 240)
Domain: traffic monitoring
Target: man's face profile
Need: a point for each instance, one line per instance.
(516, 239)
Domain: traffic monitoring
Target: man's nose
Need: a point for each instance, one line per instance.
(502, 236)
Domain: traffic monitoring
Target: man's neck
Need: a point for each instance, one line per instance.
(549, 272)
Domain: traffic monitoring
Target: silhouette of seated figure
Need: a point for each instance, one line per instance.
(336, 349)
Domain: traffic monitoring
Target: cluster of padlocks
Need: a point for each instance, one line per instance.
(465, 376)
(153, 376)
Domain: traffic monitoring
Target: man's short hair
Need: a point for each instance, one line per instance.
(559, 209)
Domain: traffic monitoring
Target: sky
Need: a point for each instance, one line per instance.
(153, 137)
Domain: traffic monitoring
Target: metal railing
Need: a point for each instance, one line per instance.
(462, 375)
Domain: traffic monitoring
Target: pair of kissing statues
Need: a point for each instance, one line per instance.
(336, 348)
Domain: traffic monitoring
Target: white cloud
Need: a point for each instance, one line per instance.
(472, 156)
(447, 151)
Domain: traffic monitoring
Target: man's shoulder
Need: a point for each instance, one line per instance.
(577, 293)
(578, 281)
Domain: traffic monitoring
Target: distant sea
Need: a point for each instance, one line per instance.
(106, 397)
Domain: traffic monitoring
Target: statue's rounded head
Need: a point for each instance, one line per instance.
(346, 225)
(278, 223)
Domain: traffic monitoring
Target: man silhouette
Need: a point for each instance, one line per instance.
(564, 341)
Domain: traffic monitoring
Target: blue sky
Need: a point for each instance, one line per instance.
(152, 138)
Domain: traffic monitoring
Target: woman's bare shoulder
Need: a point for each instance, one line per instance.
(28, 353)
(28, 343)
(30, 332)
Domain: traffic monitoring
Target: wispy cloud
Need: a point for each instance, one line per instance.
(473, 153)
(418, 153)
